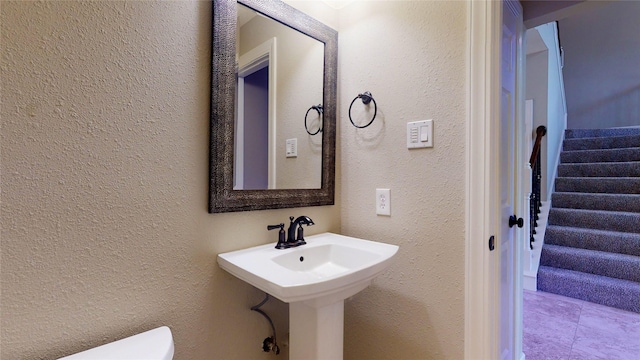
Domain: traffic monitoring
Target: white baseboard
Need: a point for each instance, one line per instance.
(551, 186)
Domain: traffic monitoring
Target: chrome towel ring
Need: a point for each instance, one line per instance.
(366, 99)
(319, 109)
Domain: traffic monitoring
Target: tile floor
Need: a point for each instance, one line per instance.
(557, 327)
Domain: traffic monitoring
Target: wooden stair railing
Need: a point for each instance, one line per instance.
(536, 179)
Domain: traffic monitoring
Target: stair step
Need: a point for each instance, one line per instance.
(612, 292)
(600, 169)
(596, 219)
(619, 266)
(592, 239)
(608, 142)
(591, 248)
(608, 185)
(589, 201)
(591, 133)
(601, 155)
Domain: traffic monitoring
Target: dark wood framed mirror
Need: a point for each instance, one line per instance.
(224, 84)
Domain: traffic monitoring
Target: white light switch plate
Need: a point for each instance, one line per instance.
(420, 134)
(292, 147)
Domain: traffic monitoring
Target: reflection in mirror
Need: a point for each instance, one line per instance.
(296, 91)
(280, 76)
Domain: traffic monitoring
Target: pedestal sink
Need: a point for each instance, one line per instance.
(314, 279)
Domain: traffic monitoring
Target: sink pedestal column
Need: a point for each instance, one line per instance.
(316, 332)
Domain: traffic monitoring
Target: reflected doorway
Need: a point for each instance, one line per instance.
(253, 145)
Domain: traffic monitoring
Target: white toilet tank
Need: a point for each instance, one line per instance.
(156, 344)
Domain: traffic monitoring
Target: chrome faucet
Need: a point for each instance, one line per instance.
(298, 239)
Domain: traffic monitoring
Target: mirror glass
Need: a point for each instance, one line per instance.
(294, 57)
(280, 84)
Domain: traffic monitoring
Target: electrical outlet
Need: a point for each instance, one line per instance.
(383, 202)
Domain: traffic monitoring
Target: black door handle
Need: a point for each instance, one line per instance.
(513, 220)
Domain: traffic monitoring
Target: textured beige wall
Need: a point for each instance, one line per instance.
(105, 232)
(411, 56)
(300, 86)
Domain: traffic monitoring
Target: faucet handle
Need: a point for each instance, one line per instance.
(282, 243)
(273, 227)
(300, 236)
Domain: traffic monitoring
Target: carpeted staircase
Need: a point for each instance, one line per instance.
(591, 245)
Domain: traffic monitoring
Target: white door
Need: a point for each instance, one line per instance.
(493, 316)
(508, 249)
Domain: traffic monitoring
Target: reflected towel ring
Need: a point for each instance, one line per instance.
(319, 109)
(366, 99)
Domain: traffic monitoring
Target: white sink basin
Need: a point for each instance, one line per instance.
(327, 269)
(315, 279)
